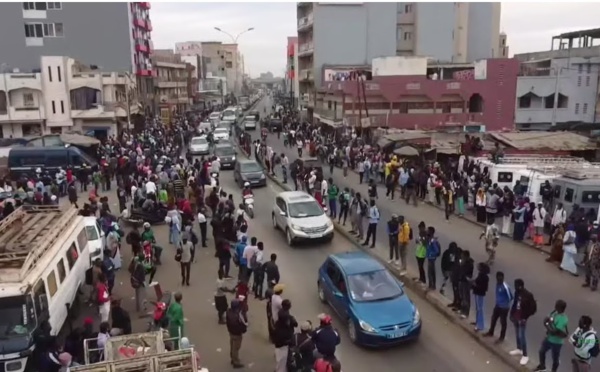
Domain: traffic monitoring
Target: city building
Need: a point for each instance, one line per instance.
(222, 60)
(352, 34)
(171, 84)
(412, 93)
(64, 96)
(292, 79)
(110, 36)
(559, 88)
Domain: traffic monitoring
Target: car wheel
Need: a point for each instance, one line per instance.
(289, 238)
(321, 292)
(274, 221)
(351, 330)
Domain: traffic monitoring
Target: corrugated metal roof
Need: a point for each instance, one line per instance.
(555, 141)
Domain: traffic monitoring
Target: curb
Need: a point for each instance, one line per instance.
(438, 301)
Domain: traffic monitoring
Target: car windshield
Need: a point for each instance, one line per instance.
(221, 130)
(199, 141)
(373, 286)
(224, 151)
(17, 317)
(305, 209)
(228, 113)
(250, 167)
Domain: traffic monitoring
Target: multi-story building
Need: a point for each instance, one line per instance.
(65, 95)
(559, 88)
(110, 36)
(292, 74)
(410, 93)
(224, 60)
(171, 85)
(352, 34)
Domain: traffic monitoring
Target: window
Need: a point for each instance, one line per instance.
(229, 64)
(82, 239)
(72, 255)
(91, 233)
(34, 6)
(577, 108)
(399, 33)
(585, 106)
(557, 191)
(374, 286)
(408, 8)
(40, 6)
(579, 81)
(85, 98)
(34, 30)
(62, 106)
(50, 73)
(59, 74)
(62, 271)
(27, 160)
(51, 283)
(55, 6)
(407, 35)
(28, 100)
(40, 298)
(53, 107)
(589, 68)
(580, 68)
(590, 197)
(49, 29)
(525, 101)
(569, 194)
(56, 158)
(505, 177)
(587, 81)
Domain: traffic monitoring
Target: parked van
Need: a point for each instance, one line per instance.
(25, 160)
(580, 187)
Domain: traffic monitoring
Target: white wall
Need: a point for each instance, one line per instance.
(399, 66)
(55, 73)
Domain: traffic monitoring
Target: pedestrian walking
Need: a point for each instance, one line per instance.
(393, 230)
(556, 324)
(585, 345)
(592, 264)
(523, 307)
(455, 279)
(202, 222)
(480, 287)
(176, 319)
(237, 325)
(492, 236)
(373, 220)
(432, 252)
(504, 297)
(184, 256)
(221, 303)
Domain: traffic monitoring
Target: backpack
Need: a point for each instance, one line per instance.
(295, 357)
(595, 350)
(253, 261)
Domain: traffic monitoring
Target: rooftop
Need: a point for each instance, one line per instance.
(592, 32)
(555, 141)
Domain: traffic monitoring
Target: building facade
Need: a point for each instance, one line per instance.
(353, 34)
(225, 61)
(409, 93)
(65, 96)
(560, 88)
(171, 84)
(110, 36)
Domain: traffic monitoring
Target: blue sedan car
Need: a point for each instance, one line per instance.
(369, 299)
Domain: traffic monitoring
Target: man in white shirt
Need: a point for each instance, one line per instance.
(202, 222)
(250, 251)
(311, 182)
(559, 217)
(324, 188)
(215, 166)
(150, 187)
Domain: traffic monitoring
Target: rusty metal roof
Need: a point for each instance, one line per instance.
(555, 141)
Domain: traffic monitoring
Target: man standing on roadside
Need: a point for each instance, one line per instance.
(585, 345)
(237, 325)
(404, 238)
(393, 229)
(504, 297)
(556, 331)
(373, 220)
(522, 308)
(433, 252)
(332, 197)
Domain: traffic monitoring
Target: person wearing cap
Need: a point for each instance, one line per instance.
(302, 356)
(326, 338)
(276, 301)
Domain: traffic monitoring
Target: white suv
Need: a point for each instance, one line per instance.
(301, 217)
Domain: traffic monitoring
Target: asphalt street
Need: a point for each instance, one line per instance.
(441, 347)
(516, 260)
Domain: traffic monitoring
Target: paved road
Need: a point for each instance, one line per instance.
(516, 260)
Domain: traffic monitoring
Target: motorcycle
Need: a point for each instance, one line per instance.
(249, 205)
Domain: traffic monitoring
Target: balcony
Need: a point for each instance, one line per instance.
(174, 82)
(86, 79)
(140, 46)
(148, 25)
(144, 72)
(174, 99)
(305, 49)
(306, 75)
(145, 5)
(113, 78)
(138, 22)
(305, 23)
(98, 112)
(120, 108)
(26, 113)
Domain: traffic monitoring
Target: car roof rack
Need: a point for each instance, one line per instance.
(583, 174)
(541, 160)
(29, 232)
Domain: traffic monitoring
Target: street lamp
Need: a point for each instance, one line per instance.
(235, 39)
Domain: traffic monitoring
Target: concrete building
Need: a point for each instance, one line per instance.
(559, 88)
(65, 96)
(173, 78)
(292, 79)
(222, 60)
(111, 36)
(412, 93)
(352, 34)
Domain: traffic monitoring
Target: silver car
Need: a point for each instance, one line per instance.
(221, 134)
(199, 146)
(301, 217)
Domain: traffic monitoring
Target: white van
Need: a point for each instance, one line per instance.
(229, 114)
(51, 249)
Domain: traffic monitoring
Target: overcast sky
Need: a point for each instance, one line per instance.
(529, 26)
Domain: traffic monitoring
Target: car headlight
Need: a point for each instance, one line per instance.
(416, 317)
(233, 158)
(295, 227)
(329, 223)
(366, 327)
(262, 176)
